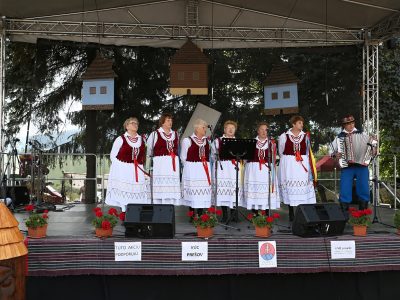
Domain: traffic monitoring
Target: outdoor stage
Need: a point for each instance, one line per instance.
(72, 257)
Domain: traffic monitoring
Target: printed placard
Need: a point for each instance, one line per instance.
(343, 249)
(128, 251)
(194, 251)
(267, 254)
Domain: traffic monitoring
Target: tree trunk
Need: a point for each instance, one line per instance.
(90, 147)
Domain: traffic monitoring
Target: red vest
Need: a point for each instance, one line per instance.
(160, 147)
(193, 152)
(256, 155)
(125, 152)
(289, 146)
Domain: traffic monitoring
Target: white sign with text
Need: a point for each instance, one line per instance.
(194, 251)
(343, 249)
(128, 251)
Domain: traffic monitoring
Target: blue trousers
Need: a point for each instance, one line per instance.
(346, 183)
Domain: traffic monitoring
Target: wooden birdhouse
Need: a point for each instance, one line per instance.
(280, 91)
(189, 71)
(12, 257)
(98, 85)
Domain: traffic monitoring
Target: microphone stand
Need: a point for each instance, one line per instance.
(217, 160)
(151, 165)
(376, 182)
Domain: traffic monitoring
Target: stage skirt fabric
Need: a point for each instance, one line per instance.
(122, 188)
(295, 186)
(256, 188)
(195, 186)
(226, 185)
(166, 182)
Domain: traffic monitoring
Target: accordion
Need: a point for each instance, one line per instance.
(356, 148)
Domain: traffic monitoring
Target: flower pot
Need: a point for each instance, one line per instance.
(360, 230)
(104, 233)
(398, 231)
(205, 232)
(263, 231)
(38, 232)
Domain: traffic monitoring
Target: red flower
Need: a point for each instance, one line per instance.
(205, 218)
(250, 217)
(29, 207)
(218, 212)
(263, 212)
(211, 210)
(195, 218)
(45, 216)
(112, 211)
(122, 216)
(356, 214)
(96, 209)
(190, 213)
(276, 216)
(270, 219)
(99, 214)
(45, 211)
(368, 211)
(106, 224)
(352, 209)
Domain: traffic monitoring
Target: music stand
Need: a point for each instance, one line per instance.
(237, 149)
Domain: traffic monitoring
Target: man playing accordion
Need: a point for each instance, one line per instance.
(353, 149)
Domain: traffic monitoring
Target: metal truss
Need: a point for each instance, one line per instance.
(371, 97)
(2, 81)
(387, 28)
(371, 87)
(192, 12)
(149, 31)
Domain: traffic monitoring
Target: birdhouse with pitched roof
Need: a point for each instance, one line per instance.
(98, 85)
(13, 254)
(189, 71)
(280, 91)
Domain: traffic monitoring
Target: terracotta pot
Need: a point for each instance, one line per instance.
(38, 232)
(263, 231)
(360, 230)
(205, 232)
(104, 233)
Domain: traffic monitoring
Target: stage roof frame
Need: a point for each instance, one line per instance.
(210, 24)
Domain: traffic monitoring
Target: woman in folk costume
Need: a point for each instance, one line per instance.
(260, 180)
(225, 173)
(296, 168)
(126, 182)
(196, 176)
(162, 145)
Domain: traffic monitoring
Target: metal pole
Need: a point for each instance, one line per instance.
(395, 182)
(335, 172)
(2, 79)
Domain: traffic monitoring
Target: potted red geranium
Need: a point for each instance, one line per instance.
(104, 223)
(36, 223)
(262, 223)
(360, 220)
(206, 222)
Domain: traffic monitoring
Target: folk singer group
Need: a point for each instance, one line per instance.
(202, 186)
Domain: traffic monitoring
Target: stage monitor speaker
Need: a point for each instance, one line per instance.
(150, 221)
(19, 194)
(319, 219)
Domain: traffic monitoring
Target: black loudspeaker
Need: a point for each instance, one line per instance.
(312, 220)
(19, 194)
(150, 221)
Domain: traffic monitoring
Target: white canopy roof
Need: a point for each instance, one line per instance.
(218, 24)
